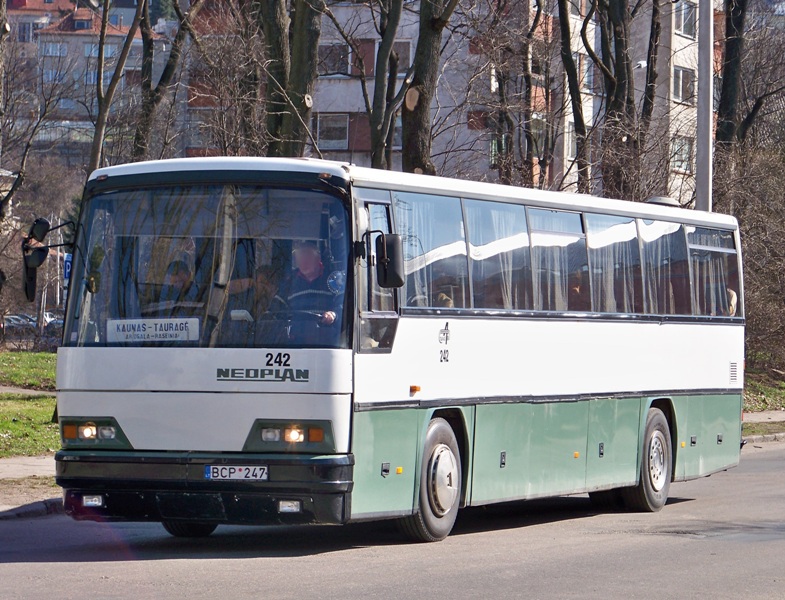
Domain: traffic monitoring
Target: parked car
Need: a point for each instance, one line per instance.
(18, 327)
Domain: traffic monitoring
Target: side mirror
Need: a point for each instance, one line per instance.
(39, 229)
(389, 261)
(33, 258)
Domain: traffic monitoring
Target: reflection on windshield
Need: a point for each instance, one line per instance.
(218, 266)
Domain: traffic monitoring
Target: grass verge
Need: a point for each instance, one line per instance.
(762, 428)
(31, 370)
(26, 427)
(762, 391)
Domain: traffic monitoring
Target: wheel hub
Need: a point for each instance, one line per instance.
(444, 478)
(657, 461)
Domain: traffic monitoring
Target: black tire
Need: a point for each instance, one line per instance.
(651, 493)
(440, 486)
(187, 529)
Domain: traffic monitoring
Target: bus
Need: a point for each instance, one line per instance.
(448, 344)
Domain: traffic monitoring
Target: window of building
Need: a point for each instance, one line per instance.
(66, 104)
(571, 141)
(332, 131)
(82, 24)
(682, 150)
(24, 32)
(685, 18)
(404, 50)
(53, 76)
(684, 85)
(333, 59)
(397, 142)
(54, 49)
(91, 50)
(575, 8)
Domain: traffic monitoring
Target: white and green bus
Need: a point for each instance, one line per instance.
(485, 344)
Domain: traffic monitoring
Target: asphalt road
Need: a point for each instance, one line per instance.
(719, 537)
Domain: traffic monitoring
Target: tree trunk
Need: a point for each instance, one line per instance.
(576, 104)
(416, 114)
(735, 13)
(153, 96)
(302, 76)
(275, 24)
(104, 98)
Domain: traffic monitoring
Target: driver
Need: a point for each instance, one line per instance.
(306, 295)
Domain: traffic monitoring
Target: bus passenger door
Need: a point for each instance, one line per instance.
(384, 438)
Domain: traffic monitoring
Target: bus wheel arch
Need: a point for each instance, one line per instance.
(656, 468)
(666, 406)
(441, 484)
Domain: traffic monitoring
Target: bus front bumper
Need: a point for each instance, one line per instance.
(164, 486)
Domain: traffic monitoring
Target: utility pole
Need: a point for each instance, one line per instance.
(704, 141)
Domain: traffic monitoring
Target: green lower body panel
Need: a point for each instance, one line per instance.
(708, 436)
(386, 448)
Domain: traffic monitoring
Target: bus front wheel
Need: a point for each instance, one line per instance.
(440, 486)
(186, 529)
(651, 493)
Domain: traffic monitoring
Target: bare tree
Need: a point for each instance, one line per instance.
(105, 94)
(292, 42)
(153, 96)
(416, 115)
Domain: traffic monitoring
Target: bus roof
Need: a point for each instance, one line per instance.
(408, 182)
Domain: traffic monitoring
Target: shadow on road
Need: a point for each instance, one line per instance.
(59, 539)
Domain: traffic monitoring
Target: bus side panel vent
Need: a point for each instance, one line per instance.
(734, 372)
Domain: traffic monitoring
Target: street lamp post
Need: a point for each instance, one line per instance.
(705, 139)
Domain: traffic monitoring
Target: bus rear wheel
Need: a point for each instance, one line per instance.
(651, 493)
(186, 529)
(440, 486)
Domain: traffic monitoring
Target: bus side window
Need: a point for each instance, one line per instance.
(559, 261)
(665, 265)
(378, 320)
(715, 274)
(379, 299)
(434, 250)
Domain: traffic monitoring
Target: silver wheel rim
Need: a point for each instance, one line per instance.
(444, 479)
(658, 457)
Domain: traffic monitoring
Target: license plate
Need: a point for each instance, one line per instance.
(222, 473)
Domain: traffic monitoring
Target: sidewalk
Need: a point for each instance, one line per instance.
(4, 389)
(44, 466)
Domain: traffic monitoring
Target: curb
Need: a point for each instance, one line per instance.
(770, 437)
(52, 506)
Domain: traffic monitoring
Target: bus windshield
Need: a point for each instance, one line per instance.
(210, 266)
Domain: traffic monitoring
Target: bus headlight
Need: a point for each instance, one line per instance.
(294, 435)
(92, 432)
(88, 431)
(270, 434)
(290, 436)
